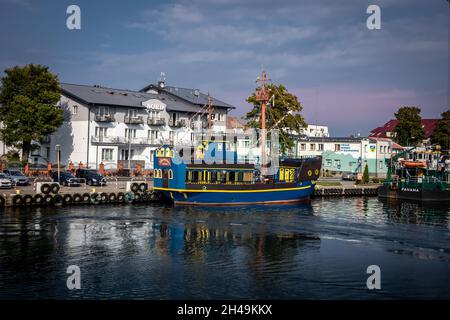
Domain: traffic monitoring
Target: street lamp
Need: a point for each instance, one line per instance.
(58, 156)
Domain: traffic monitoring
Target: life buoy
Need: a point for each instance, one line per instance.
(95, 198)
(17, 200)
(68, 199)
(143, 187)
(28, 199)
(77, 198)
(112, 197)
(103, 197)
(48, 199)
(58, 199)
(135, 187)
(45, 188)
(55, 188)
(38, 199)
(129, 197)
(120, 197)
(86, 197)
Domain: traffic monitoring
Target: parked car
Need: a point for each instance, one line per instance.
(349, 176)
(92, 177)
(5, 182)
(17, 177)
(66, 179)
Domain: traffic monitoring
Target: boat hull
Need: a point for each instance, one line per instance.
(237, 197)
(414, 194)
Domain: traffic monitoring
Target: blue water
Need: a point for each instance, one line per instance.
(317, 251)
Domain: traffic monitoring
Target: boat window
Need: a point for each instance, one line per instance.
(195, 176)
(170, 174)
(214, 176)
(281, 174)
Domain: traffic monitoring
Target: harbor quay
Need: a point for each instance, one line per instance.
(128, 191)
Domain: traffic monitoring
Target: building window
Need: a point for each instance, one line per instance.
(132, 113)
(156, 115)
(103, 111)
(328, 163)
(107, 154)
(381, 149)
(152, 135)
(75, 109)
(125, 155)
(337, 162)
(130, 133)
(320, 146)
(337, 147)
(384, 149)
(312, 147)
(380, 166)
(303, 147)
(101, 132)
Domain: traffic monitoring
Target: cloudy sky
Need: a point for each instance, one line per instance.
(347, 76)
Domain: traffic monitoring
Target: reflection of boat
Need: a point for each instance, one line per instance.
(209, 174)
(420, 177)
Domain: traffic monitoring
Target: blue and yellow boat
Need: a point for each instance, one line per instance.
(212, 175)
(207, 182)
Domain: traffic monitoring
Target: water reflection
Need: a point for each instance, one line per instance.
(143, 251)
(416, 212)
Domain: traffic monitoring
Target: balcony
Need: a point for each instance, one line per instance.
(178, 123)
(104, 118)
(123, 141)
(133, 120)
(156, 122)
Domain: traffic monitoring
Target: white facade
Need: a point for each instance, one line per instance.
(315, 131)
(108, 134)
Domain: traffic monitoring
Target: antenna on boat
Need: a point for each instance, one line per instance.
(262, 95)
(210, 109)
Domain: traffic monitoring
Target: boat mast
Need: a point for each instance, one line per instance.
(263, 96)
(209, 112)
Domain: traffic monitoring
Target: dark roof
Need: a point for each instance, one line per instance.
(97, 95)
(428, 124)
(191, 95)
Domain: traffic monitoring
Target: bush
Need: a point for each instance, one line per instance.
(366, 174)
(376, 180)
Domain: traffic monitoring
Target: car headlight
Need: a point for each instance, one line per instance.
(95, 180)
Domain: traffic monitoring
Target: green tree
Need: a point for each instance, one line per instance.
(365, 178)
(441, 133)
(409, 129)
(28, 110)
(282, 114)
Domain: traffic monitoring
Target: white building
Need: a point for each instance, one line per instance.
(115, 126)
(315, 131)
(348, 154)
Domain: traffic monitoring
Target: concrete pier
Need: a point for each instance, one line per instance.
(348, 190)
(115, 191)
